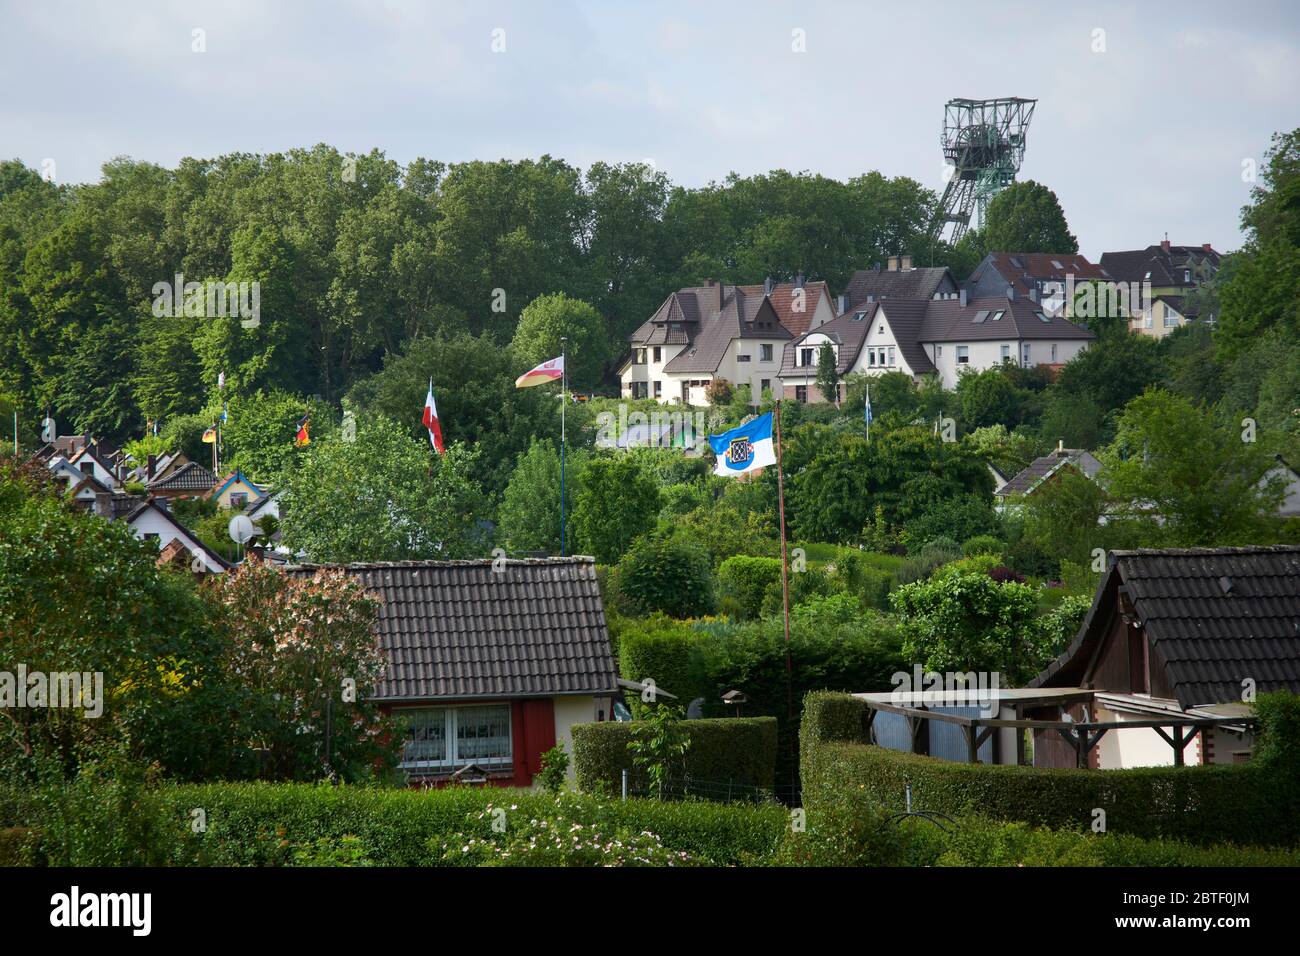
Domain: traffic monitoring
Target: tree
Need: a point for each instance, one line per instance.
(828, 376)
(529, 516)
(305, 653)
(990, 397)
(383, 497)
(1171, 459)
(1063, 514)
(259, 434)
(668, 574)
(550, 319)
(1027, 217)
(963, 621)
(617, 502)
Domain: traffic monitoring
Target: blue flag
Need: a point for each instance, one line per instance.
(867, 413)
(747, 447)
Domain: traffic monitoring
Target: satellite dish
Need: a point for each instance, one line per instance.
(241, 529)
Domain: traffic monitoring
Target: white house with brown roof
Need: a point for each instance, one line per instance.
(714, 331)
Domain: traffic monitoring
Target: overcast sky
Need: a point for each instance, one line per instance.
(1145, 138)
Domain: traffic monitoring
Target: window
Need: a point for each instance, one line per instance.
(1171, 318)
(871, 357)
(997, 316)
(963, 355)
(1053, 351)
(765, 353)
(764, 385)
(801, 393)
(151, 535)
(1006, 353)
(451, 737)
(891, 355)
(640, 389)
(742, 358)
(1024, 354)
(640, 356)
(658, 354)
(238, 499)
(659, 388)
(807, 357)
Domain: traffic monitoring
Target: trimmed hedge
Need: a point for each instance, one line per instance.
(262, 824)
(1249, 803)
(728, 756)
(745, 579)
(661, 652)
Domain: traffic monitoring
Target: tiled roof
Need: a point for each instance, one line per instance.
(1017, 268)
(920, 283)
(906, 318)
(947, 320)
(1038, 469)
(189, 477)
(1215, 617)
(848, 331)
(459, 629)
(1132, 265)
(741, 316)
(782, 298)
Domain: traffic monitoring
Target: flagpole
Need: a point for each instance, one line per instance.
(564, 400)
(785, 574)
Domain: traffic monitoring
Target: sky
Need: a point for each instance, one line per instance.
(1150, 117)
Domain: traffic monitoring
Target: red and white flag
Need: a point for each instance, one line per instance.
(431, 420)
(552, 370)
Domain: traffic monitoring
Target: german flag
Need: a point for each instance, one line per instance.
(210, 435)
(303, 437)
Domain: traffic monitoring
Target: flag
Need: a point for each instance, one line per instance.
(223, 412)
(867, 413)
(549, 371)
(431, 422)
(303, 437)
(746, 448)
(210, 435)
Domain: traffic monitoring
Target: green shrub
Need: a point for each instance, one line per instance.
(1246, 804)
(920, 566)
(732, 757)
(745, 580)
(871, 585)
(982, 544)
(17, 846)
(668, 574)
(661, 650)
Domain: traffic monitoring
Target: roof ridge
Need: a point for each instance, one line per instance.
(576, 559)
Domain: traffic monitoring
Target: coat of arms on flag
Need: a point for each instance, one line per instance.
(747, 447)
(552, 370)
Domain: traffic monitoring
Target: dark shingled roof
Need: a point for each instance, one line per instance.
(1038, 469)
(920, 283)
(460, 630)
(189, 477)
(905, 318)
(847, 331)
(1214, 616)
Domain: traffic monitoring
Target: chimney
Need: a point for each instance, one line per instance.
(1060, 445)
(1033, 293)
(844, 303)
(767, 286)
(713, 296)
(1011, 293)
(798, 281)
(907, 264)
(1164, 244)
(876, 267)
(961, 297)
(1207, 247)
(893, 263)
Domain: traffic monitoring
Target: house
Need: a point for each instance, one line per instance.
(152, 522)
(947, 336)
(1171, 270)
(799, 305)
(900, 280)
(1289, 478)
(490, 663)
(1030, 478)
(1161, 672)
(702, 334)
(845, 335)
(100, 463)
(157, 467)
(1038, 275)
(1182, 633)
(1165, 313)
(190, 480)
(237, 490)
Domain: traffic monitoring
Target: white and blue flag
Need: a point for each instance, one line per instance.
(867, 413)
(747, 447)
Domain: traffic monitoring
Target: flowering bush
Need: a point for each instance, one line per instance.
(509, 837)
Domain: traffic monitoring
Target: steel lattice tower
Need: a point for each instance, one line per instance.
(984, 143)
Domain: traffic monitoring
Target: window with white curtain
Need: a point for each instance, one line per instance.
(450, 737)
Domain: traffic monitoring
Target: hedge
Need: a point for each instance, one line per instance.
(744, 580)
(1253, 803)
(261, 824)
(729, 757)
(662, 652)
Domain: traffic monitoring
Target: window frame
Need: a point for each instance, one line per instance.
(453, 760)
